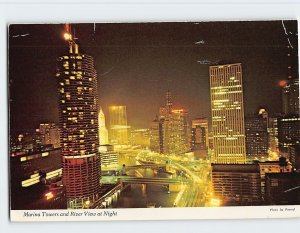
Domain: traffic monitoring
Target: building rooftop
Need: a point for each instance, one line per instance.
(284, 175)
(247, 168)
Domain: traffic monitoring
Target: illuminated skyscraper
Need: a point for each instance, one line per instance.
(170, 133)
(273, 134)
(77, 80)
(165, 111)
(179, 132)
(118, 125)
(103, 133)
(227, 106)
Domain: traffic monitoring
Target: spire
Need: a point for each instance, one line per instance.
(169, 100)
(73, 47)
(101, 111)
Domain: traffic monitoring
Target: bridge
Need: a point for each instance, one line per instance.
(145, 166)
(150, 180)
(132, 167)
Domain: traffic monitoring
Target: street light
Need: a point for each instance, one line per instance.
(49, 195)
(87, 204)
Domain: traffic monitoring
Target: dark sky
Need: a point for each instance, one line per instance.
(138, 63)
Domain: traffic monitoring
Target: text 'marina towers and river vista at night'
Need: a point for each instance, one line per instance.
(149, 115)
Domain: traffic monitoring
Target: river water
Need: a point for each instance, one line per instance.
(141, 195)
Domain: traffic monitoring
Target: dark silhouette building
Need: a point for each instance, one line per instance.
(257, 143)
(282, 188)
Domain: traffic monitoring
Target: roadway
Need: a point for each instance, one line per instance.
(197, 175)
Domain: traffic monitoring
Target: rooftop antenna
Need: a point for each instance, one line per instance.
(73, 47)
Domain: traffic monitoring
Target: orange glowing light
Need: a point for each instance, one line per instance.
(49, 195)
(282, 83)
(67, 36)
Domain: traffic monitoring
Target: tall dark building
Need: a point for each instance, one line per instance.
(199, 137)
(288, 132)
(290, 87)
(294, 156)
(290, 96)
(256, 137)
(156, 136)
(77, 81)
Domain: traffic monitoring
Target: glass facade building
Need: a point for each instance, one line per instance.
(227, 107)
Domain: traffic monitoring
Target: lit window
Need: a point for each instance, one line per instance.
(68, 95)
(79, 90)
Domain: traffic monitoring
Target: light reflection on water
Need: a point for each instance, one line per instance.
(141, 195)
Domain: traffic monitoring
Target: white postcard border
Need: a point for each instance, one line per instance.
(233, 212)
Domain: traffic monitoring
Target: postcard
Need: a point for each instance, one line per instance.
(154, 121)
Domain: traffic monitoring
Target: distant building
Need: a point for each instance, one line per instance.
(172, 127)
(283, 188)
(226, 91)
(179, 133)
(118, 133)
(156, 136)
(294, 156)
(49, 133)
(199, 141)
(140, 137)
(270, 167)
(103, 132)
(264, 114)
(288, 132)
(109, 158)
(290, 86)
(257, 141)
(237, 184)
(273, 134)
(210, 141)
(290, 96)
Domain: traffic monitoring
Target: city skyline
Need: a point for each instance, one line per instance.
(248, 156)
(142, 66)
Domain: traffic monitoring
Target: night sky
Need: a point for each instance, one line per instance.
(138, 63)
